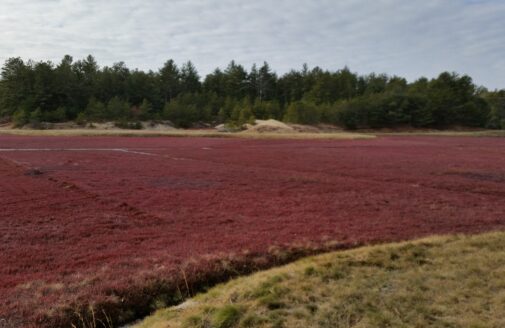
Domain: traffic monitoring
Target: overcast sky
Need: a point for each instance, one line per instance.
(409, 38)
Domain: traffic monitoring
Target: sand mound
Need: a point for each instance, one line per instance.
(271, 125)
(102, 126)
(274, 126)
(158, 125)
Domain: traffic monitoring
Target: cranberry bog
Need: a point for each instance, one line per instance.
(111, 228)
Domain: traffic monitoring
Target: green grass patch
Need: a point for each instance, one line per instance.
(455, 281)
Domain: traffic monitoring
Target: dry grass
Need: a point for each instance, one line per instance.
(107, 132)
(448, 133)
(305, 135)
(183, 133)
(456, 281)
(209, 133)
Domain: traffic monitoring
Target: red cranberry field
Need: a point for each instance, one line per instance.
(123, 225)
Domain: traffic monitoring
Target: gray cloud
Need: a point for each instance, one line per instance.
(404, 37)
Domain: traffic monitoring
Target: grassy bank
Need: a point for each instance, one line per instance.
(210, 133)
(183, 133)
(456, 281)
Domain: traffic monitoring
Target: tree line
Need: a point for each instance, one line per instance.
(33, 92)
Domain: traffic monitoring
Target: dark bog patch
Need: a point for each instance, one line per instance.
(481, 176)
(33, 172)
(179, 183)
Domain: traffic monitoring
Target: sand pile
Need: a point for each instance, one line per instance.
(158, 125)
(102, 126)
(271, 125)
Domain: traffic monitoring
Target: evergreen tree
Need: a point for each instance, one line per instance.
(145, 111)
(190, 80)
(117, 109)
(170, 80)
(266, 83)
(95, 111)
(236, 82)
(215, 83)
(72, 90)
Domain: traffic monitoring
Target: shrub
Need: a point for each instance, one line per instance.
(186, 110)
(81, 119)
(303, 112)
(182, 116)
(117, 109)
(95, 111)
(267, 109)
(36, 118)
(58, 115)
(145, 110)
(241, 114)
(20, 118)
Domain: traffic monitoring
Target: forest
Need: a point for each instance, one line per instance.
(82, 91)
